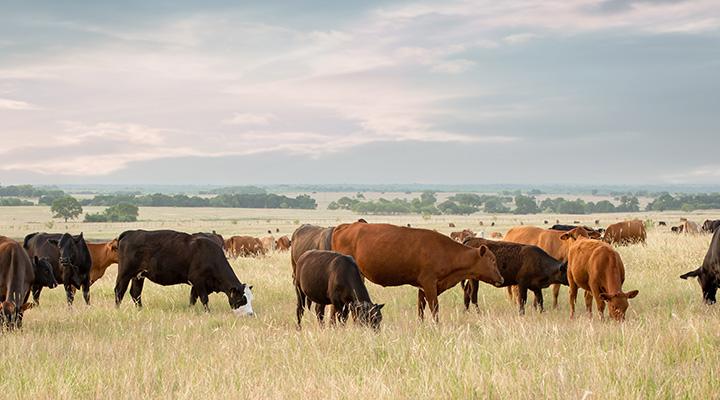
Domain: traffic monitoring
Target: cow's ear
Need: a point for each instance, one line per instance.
(250, 287)
(379, 306)
(80, 236)
(482, 250)
(690, 274)
(53, 241)
(565, 236)
(606, 297)
(631, 294)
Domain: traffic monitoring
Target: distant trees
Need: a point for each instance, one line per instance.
(685, 202)
(225, 200)
(14, 202)
(123, 212)
(66, 207)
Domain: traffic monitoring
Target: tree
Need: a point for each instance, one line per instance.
(525, 205)
(494, 206)
(427, 198)
(66, 207)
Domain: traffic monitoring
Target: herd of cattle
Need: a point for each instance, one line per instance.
(330, 265)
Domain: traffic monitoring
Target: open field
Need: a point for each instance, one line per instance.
(667, 348)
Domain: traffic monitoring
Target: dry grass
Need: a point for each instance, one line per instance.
(667, 348)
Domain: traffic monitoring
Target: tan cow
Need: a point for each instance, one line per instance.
(102, 255)
(268, 243)
(283, 243)
(596, 267)
(244, 246)
(460, 236)
(626, 232)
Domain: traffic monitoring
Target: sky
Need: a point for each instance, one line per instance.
(212, 92)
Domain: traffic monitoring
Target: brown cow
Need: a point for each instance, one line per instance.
(626, 232)
(451, 225)
(690, 227)
(244, 246)
(597, 268)
(460, 236)
(16, 277)
(268, 243)
(283, 243)
(496, 235)
(309, 237)
(546, 239)
(390, 255)
(102, 255)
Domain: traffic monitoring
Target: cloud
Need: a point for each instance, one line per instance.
(15, 105)
(249, 119)
(519, 38)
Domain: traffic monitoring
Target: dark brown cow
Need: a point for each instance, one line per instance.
(626, 232)
(283, 243)
(102, 255)
(244, 246)
(597, 268)
(451, 225)
(330, 278)
(390, 255)
(309, 237)
(710, 226)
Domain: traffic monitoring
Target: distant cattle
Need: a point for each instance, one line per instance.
(711, 226)
(708, 273)
(545, 222)
(244, 246)
(676, 229)
(597, 268)
(546, 239)
(626, 232)
(390, 255)
(481, 223)
(102, 255)
(565, 228)
(462, 235)
(690, 227)
(576, 222)
(268, 243)
(309, 237)
(330, 278)
(283, 243)
(451, 225)
(492, 224)
(495, 235)
(662, 223)
(18, 273)
(277, 230)
(170, 258)
(527, 266)
(597, 222)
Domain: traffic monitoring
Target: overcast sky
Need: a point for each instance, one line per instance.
(360, 92)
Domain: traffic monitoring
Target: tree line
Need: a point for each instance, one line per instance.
(246, 200)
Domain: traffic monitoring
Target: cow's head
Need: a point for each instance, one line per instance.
(43, 270)
(367, 313)
(112, 250)
(575, 234)
(71, 252)
(240, 300)
(708, 283)
(618, 303)
(486, 267)
(560, 276)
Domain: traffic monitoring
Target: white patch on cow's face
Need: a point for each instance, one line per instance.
(247, 309)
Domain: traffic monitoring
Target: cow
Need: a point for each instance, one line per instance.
(689, 227)
(102, 255)
(529, 267)
(390, 255)
(492, 224)
(597, 222)
(546, 239)
(283, 243)
(676, 229)
(710, 226)
(576, 222)
(268, 243)
(708, 273)
(565, 228)
(460, 236)
(168, 258)
(309, 237)
(214, 236)
(451, 225)
(596, 267)
(46, 246)
(495, 235)
(18, 273)
(330, 278)
(662, 223)
(626, 232)
(244, 246)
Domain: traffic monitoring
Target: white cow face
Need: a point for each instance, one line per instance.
(241, 303)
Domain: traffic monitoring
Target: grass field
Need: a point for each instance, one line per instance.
(667, 348)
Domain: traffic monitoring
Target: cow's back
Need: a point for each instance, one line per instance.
(16, 272)
(309, 237)
(546, 239)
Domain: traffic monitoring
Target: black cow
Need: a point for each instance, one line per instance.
(708, 273)
(711, 225)
(327, 277)
(567, 228)
(75, 263)
(662, 223)
(214, 236)
(170, 258)
(44, 246)
(527, 266)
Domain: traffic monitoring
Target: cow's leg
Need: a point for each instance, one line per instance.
(474, 285)
(86, 291)
(538, 303)
(466, 293)
(510, 294)
(36, 289)
(69, 294)
(588, 302)
(193, 296)
(598, 301)
(556, 294)
(121, 286)
(136, 288)
(343, 312)
(299, 310)
(432, 299)
(320, 314)
(421, 304)
(522, 299)
(572, 296)
(203, 295)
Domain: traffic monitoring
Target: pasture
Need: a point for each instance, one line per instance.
(667, 348)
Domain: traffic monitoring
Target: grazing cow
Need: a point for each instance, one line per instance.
(710, 226)
(244, 246)
(596, 267)
(576, 222)
(390, 255)
(451, 225)
(662, 223)
(18, 273)
(283, 243)
(708, 273)
(546, 239)
(214, 236)
(495, 235)
(626, 232)
(597, 222)
(529, 267)
(690, 227)
(492, 223)
(309, 237)
(277, 230)
(102, 255)
(75, 263)
(268, 243)
(170, 258)
(460, 236)
(676, 229)
(481, 223)
(408, 225)
(330, 278)
(545, 222)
